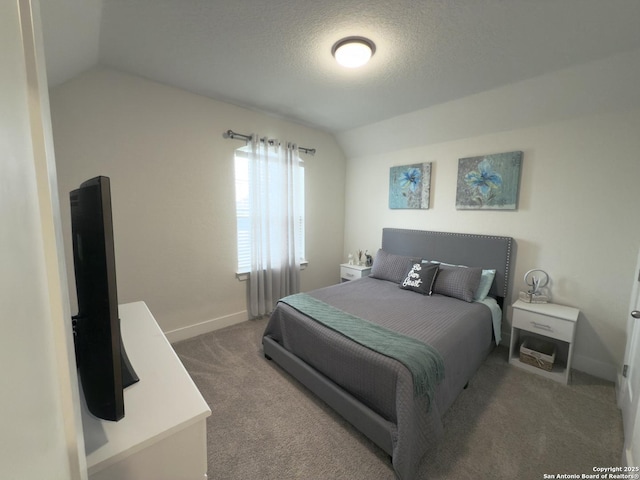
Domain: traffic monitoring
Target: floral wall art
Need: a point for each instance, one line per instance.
(489, 182)
(410, 185)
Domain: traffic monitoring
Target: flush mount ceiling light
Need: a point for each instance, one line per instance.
(353, 52)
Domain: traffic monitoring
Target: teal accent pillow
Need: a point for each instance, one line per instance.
(486, 280)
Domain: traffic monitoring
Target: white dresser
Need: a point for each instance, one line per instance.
(163, 435)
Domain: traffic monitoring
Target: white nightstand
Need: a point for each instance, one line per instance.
(550, 322)
(353, 272)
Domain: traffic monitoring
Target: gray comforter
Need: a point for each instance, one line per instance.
(460, 331)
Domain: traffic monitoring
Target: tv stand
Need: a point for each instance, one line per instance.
(163, 435)
(129, 375)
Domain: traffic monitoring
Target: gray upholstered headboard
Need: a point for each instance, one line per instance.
(484, 251)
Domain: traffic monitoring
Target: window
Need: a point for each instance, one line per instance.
(243, 212)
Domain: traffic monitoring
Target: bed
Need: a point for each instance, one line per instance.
(375, 391)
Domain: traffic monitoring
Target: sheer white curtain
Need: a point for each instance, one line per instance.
(274, 194)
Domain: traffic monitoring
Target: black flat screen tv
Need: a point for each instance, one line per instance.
(103, 367)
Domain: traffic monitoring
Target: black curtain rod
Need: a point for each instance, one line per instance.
(246, 138)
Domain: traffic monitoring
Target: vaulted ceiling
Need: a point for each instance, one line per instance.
(275, 55)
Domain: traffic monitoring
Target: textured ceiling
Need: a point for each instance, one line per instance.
(275, 55)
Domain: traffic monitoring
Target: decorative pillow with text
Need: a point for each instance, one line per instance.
(421, 278)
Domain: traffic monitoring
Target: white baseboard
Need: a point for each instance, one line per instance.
(205, 327)
(596, 368)
(627, 458)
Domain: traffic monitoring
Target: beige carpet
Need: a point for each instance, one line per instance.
(509, 424)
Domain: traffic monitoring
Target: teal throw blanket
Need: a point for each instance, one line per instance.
(423, 361)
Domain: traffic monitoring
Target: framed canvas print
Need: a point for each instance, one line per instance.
(409, 186)
(489, 182)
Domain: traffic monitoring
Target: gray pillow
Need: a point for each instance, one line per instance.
(457, 282)
(421, 278)
(388, 266)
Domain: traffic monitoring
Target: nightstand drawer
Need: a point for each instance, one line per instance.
(353, 272)
(544, 325)
(349, 273)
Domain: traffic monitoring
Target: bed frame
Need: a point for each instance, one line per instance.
(456, 248)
